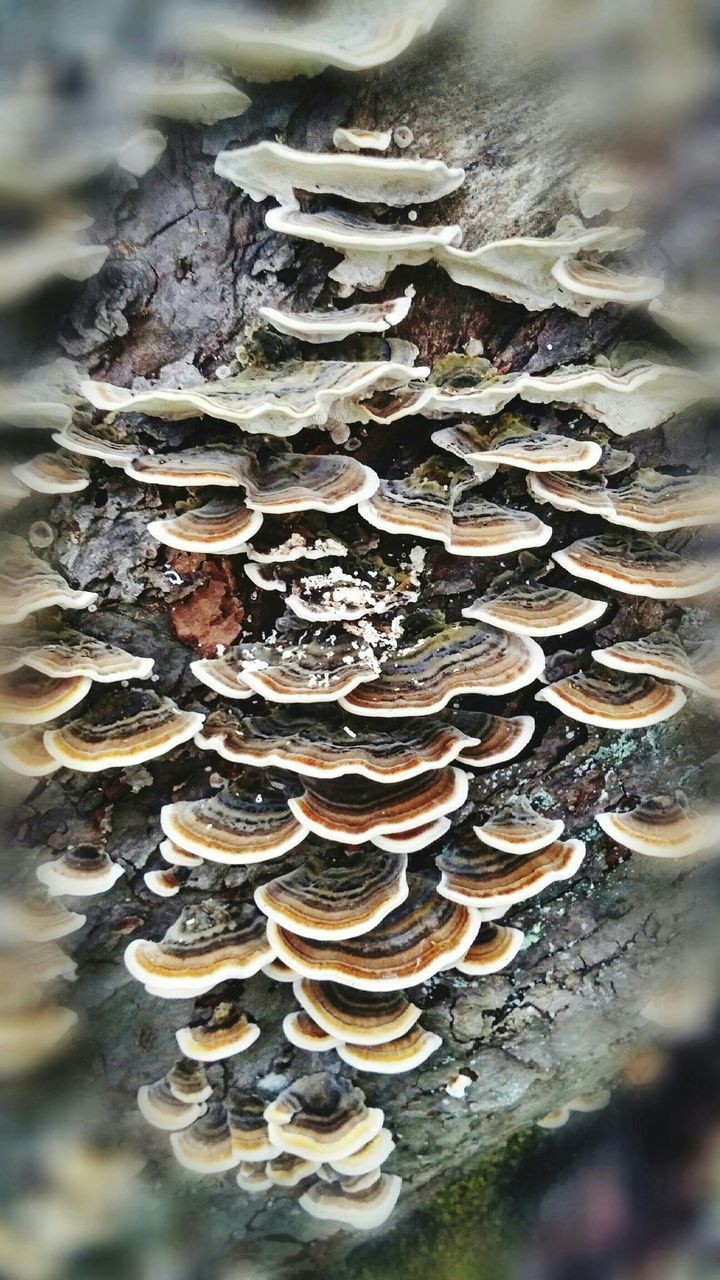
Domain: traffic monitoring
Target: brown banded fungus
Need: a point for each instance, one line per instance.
(237, 826)
(531, 609)
(365, 1210)
(488, 879)
(82, 872)
(393, 1056)
(300, 1029)
(333, 325)
(335, 897)
(28, 584)
(518, 828)
(222, 526)
(123, 728)
(612, 700)
(662, 654)
(29, 698)
(52, 473)
(512, 442)
(638, 565)
(322, 1117)
(216, 1032)
(650, 501)
(495, 947)
(206, 945)
(663, 827)
(358, 810)
(357, 1017)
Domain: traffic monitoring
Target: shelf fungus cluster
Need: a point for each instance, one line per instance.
(336, 743)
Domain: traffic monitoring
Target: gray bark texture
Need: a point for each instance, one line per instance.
(191, 262)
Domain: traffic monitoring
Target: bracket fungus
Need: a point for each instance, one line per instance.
(161, 1106)
(322, 1117)
(82, 871)
(190, 99)
(518, 828)
(28, 584)
(511, 442)
(638, 565)
(356, 811)
(612, 700)
(495, 947)
(488, 879)
(52, 473)
(29, 698)
(26, 754)
(273, 169)
(238, 826)
(663, 827)
(393, 1056)
(325, 746)
(300, 1029)
(222, 526)
(68, 654)
(333, 326)
(499, 738)
(423, 677)
(123, 728)
(531, 609)
(206, 1146)
(662, 654)
(365, 1210)
(415, 941)
(357, 1017)
(335, 898)
(443, 503)
(206, 945)
(216, 1032)
(649, 501)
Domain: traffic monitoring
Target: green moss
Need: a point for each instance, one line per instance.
(466, 1231)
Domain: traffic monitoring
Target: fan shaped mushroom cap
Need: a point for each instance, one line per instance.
(488, 879)
(328, 748)
(637, 565)
(357, 811)
(28, 698)
(250, 1137)
(499, 738)
(371, 249)
(649, 501)
(236, 826)
(659, 654)
(165, 1109)
(567, 492)
(321, 667)
(177, 857)
(70, 653)
(555, 1119)
(413, 840)
(411, 944)
(514, 443)
(125, 727)
(393, 1056)
(26, 754)
(300, 1029)
(27, 584)
(364, 1210)
(52, 473)
(277, 402)
(362, 139)
(518, 828)
(206, 945)
(207, 1145)
(287, 1170)
(324, 40)
(334, 326)
(534, 610)
(279, 971)
(165, 883)
(82, 872)
(273, 169)
(592, 280)
(221, 526)
(614, 701)
(367, 1159)
(322, 1117)
(442, 503)
(307, 538)
(662, 827)
(452, 659)
(495, 946)
(192, 99)
(101, 442)
(217, 1033)
(360, 1017)
(336, 897)
(38, 917)
(253, 1179)
(520, 268)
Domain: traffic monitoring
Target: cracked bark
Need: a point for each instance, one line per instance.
(192, 261)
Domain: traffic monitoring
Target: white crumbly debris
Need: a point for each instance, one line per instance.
(458, 1085)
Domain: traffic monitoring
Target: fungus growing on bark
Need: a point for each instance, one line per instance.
(207, 944)
(250, 1137)
(288, 1170)
(300, 1029)
(326, 40)
(362, 139)
(371, 250)
(273, 169)
(614, 701)
(165, 883)
(423, 676)
(442, 502)
(38, 917)
(123, 728)
(638, 565)
(335, 898)
(661, 654)
(662, 827)
(358, 1017)
(80, 872)
(356, 811)
(499, 738)
(512, 442)
(177, 857)
(191, 99)
(488, 879)
(333, 326)
(650, 501)
(413, 840)
(216, 1032)
(415, 941)
(365, 1210)
(322, 1117)
(222, 526)
(495, 947)
(392, 1057)
(164, 1106)
(518, 828)
(531, 609)
(26, 754)
(28, 584)
(103, 442)
(598, 283)
(326, 746)
(278, 402)
(29, 698)
(52, 473)
(237, 826)
(206, 1146)
(64, 654)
